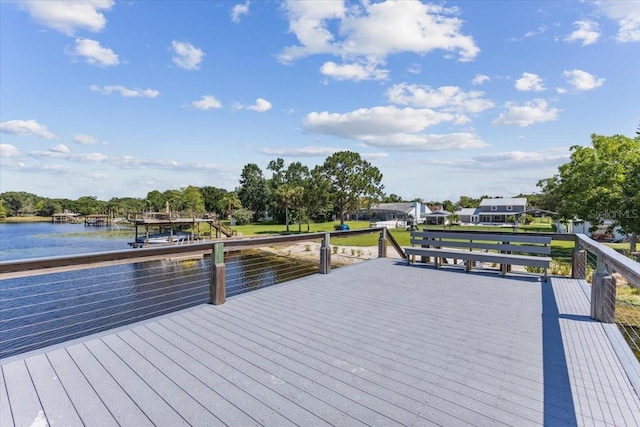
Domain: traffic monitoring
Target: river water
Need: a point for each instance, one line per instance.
(43, 310)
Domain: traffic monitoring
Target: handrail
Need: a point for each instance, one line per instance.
(396, 245)
(38, 266)
(567, 237)
(629, 268)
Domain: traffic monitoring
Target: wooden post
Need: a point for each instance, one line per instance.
(325, 255)
(217, 290)
(382, 244)
(603, 298)
(579, 264)
(603, 294)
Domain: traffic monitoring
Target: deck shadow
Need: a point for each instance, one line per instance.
(558, 399)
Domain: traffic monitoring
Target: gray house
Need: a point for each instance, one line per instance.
(493, 211)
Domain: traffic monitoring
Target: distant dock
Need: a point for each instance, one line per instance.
(168, 228)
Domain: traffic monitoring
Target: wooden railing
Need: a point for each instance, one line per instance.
(603, 282)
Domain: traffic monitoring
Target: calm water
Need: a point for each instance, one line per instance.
(43, 310)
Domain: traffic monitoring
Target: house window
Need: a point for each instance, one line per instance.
(494, 208)
(509, 208)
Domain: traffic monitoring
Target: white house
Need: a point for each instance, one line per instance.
(395, 214)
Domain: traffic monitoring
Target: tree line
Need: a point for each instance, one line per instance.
(600, 184)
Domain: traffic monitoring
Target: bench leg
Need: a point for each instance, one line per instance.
(545, 278)
(435, 262)
(467, 266)
(504, 268)
(408, 257)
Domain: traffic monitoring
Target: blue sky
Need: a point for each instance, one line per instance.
(115, 99)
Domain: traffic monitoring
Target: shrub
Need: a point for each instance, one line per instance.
(243, 216)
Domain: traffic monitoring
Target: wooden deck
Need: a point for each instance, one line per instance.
(377, 343)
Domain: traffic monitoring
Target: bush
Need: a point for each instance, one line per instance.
(243, 216)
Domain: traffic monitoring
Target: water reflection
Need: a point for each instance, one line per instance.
(39, 311)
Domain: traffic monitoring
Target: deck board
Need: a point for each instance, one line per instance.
(378, 343)
(55, 401)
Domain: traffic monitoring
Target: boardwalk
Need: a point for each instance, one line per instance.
(378, 344)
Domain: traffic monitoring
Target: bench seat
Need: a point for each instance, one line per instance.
(488, 248)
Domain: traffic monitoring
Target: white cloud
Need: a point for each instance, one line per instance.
(60, 148)
(447, 98)
(60, 154)
(355, 72)
(207, 102)
(510, 160)
(374, 156)
(95, 54)
(561, 90)
(369, 32)
(627, 16)
(300, 151)
(125, 92)
(587, 32)
(391, 128)
(83, 139)
(8, 150)
(239, 10)
(480, 79)
(582, 81)
(529, 82)
(541, 30)
(186, 55)
(536, 111)
(129, 162)
(260, 106)
(68, 16)
(26, 127)
(415, 69)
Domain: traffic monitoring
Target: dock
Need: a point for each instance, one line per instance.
(378, 343)
(152, 228)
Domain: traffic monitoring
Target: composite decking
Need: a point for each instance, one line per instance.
(378, 344)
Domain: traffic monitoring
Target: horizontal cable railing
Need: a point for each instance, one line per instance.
(52, 300)
(615, 287)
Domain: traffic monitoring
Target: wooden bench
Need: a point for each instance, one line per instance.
(507, 250)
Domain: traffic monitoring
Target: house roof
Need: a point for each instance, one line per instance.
(518, 201)
(439, 213)
(393, 207)
(467, 211)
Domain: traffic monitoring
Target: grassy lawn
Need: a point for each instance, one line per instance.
(268, 228)
(17, 219)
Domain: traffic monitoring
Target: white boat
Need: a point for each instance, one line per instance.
(164, 238)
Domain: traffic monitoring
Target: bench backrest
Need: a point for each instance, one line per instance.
(479, 241)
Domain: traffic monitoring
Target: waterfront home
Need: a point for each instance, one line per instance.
(493, 211)
(394, 212)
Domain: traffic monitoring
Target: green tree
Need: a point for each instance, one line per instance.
(156, 201)
(392, 198)
(193, 200)
(468, 202)
(174, 197)
(350, 178)
(213, 199)
(600, 184)
(448, 205)
(288, 196)
(253, 192)
(231, 202)
(3, 210)
(90, 205)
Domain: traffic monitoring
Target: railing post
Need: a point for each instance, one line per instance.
(382, 244)
(325, 255)
(603, 294)
(579, 263)
(217, 291)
